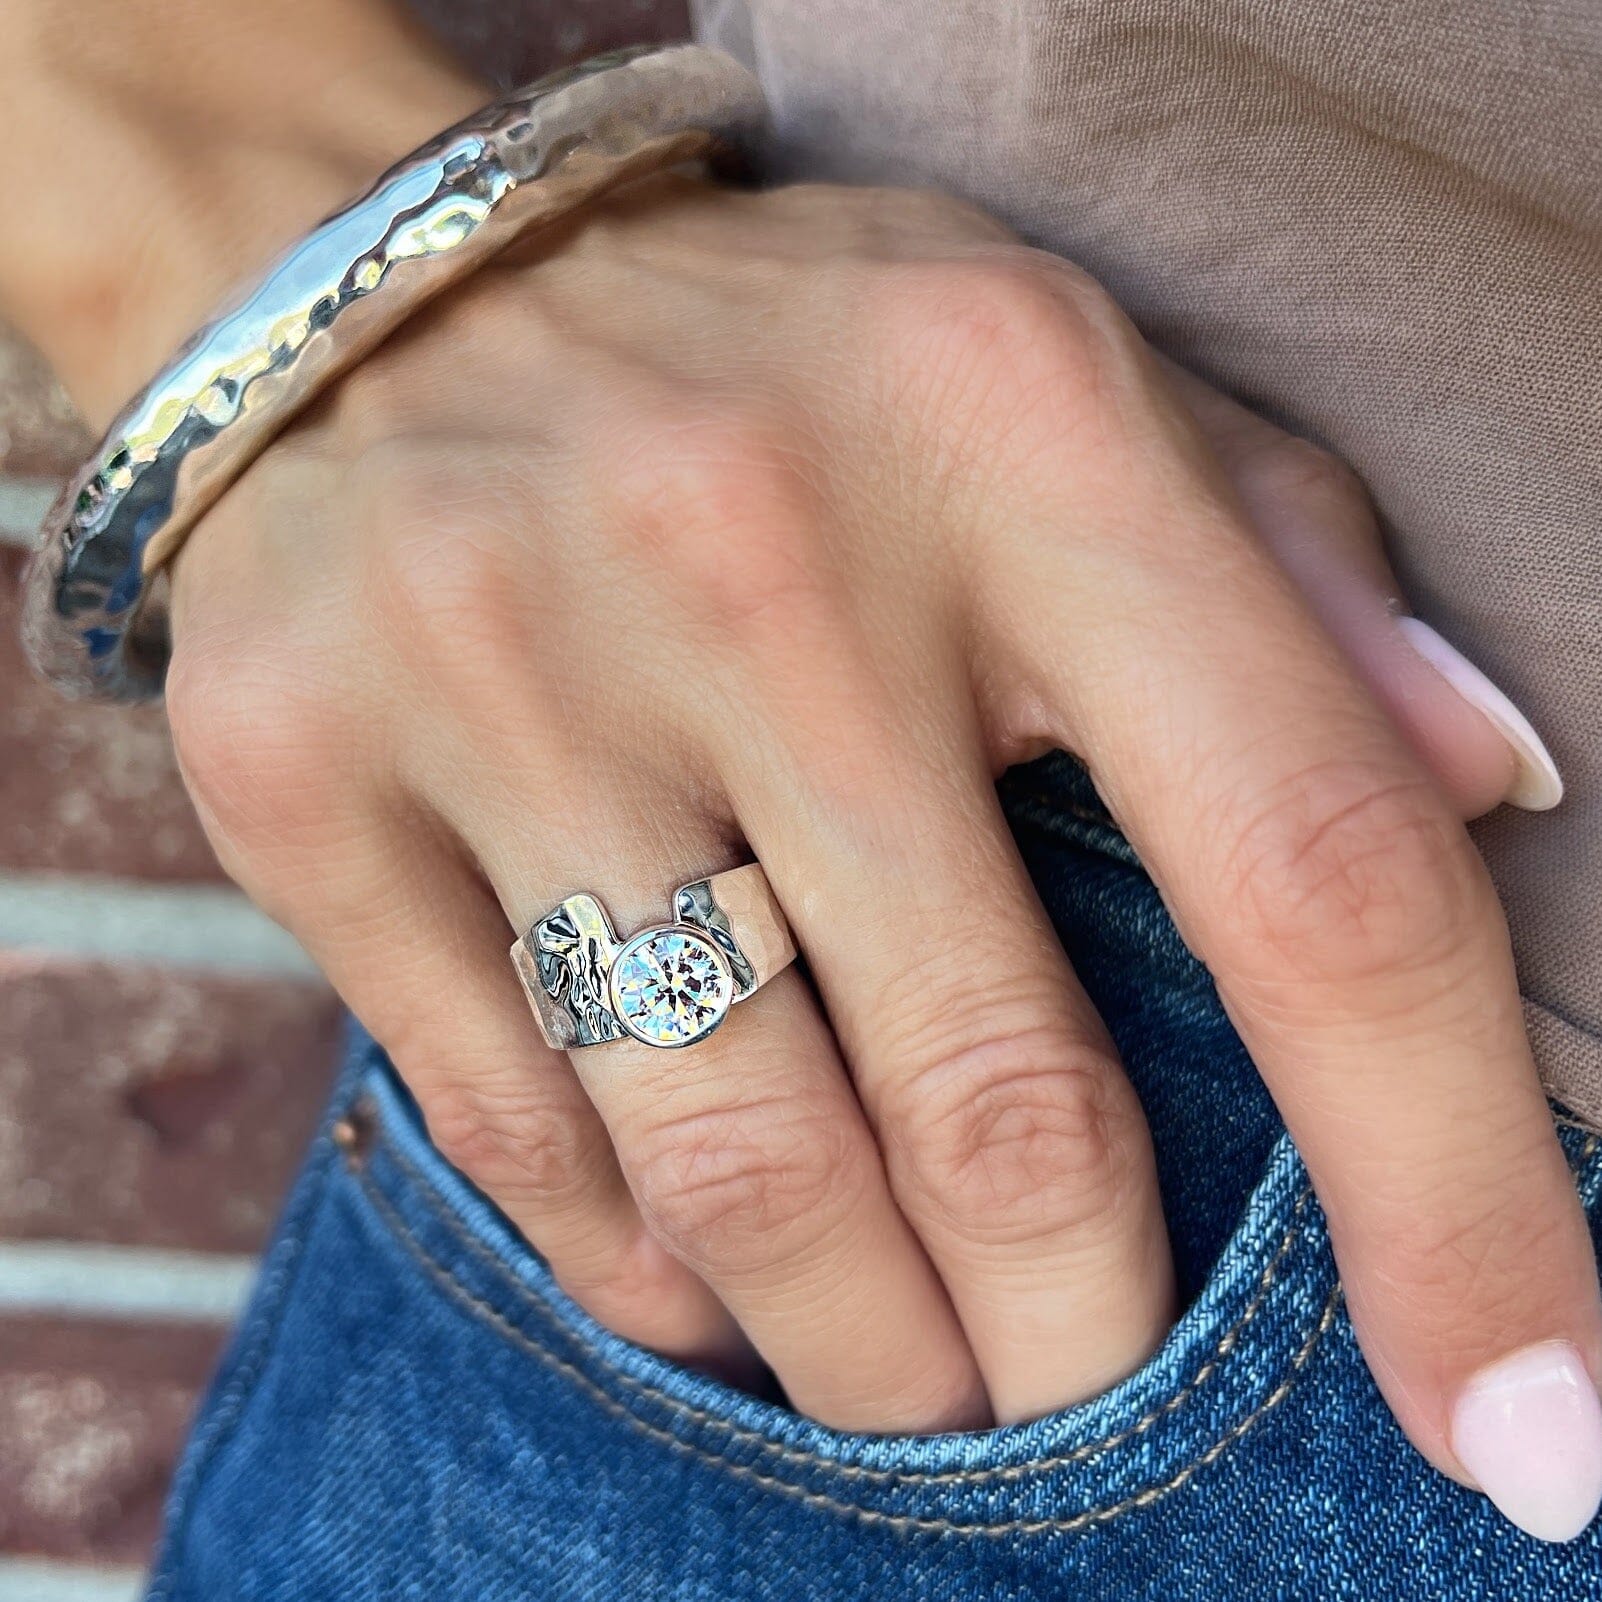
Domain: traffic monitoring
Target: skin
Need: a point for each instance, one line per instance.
(724, 524)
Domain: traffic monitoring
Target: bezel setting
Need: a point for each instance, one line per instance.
(736, 935)
(654, 1023)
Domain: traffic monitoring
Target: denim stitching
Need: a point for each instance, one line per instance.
(906, 1523)
(1003, 1472)
(977, 1476)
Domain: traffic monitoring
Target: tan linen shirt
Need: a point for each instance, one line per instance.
(1377, 221)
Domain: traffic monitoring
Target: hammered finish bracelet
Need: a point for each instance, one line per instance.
(91, 621)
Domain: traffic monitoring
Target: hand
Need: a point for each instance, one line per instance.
(779, 524)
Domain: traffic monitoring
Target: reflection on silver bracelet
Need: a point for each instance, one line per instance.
(90, 624)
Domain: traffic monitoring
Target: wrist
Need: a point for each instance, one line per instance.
(152, 191)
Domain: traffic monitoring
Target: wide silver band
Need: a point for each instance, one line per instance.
(523, 162)
(669, 984)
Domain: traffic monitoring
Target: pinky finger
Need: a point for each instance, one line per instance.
(416, 946)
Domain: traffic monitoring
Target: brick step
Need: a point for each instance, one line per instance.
(155, 1108)
(88, 789)
(92, 1417)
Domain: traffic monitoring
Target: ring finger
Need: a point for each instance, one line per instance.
(749, 1155)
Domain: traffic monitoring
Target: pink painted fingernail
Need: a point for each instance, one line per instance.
(1537, 784)
(1529, 1431)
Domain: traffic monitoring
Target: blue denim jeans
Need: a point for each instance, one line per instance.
(413, 1409)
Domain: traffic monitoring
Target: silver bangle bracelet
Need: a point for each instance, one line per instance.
(90, 622)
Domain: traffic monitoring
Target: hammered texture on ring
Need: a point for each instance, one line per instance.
(667, 985)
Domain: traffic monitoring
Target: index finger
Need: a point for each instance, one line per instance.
(1359, 946)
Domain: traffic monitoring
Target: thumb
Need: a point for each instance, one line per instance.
(1316, 518)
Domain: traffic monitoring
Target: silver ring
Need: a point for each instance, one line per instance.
(667, 985)
(89, 622)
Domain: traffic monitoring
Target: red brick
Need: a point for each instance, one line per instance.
(87, 789)
(92, 1417)
(40, 434)
(148, 1107)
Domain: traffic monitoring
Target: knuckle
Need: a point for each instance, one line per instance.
(1348, 874)
(533, 1158)
(1012, 310)
(732, 1190)
(258, 738)
(439, 580)
(1290, 471)
(202, 706)
(1007, 354)
(391, 477)
(720, 501)
(1012, 1138)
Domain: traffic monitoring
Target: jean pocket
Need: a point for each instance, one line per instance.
(1235, 1356)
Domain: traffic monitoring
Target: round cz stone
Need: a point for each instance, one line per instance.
(670, 987)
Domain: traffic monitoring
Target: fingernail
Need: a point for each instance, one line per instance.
(1529, 1431)
(1537, 784)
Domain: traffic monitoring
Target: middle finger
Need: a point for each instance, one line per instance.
(1015, 1144)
